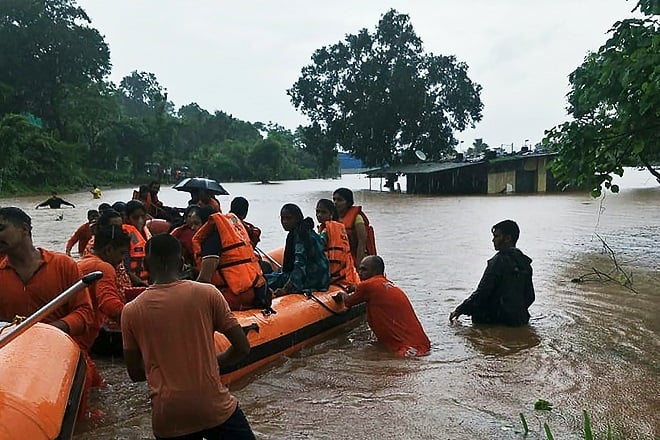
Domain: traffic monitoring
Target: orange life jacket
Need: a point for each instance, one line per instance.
(349, 224)
(137, 250)
(238, 267)
(338, 251)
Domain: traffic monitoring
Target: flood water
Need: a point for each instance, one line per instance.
(590, 346)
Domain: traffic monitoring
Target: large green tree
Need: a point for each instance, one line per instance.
(142, 95)
(381, 97)
(46, 46)
(615, 103)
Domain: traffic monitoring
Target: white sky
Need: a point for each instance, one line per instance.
(241, 56)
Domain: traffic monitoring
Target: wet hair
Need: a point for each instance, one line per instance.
(163, 250)
(92, 213)
(330, 206)
(119, 207)
(15, 216)
(133, 206)
(508, 227)
(110, 235)
(345, 194)
(104, 206)
(205, 212)
(144, 189)
(239, 206)
(106, 216)
(153, 182)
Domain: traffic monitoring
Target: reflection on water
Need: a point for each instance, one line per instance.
(589, 346)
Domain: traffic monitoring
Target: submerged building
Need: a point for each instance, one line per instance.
(526, 172)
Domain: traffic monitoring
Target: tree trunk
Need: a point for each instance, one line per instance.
(652, 170)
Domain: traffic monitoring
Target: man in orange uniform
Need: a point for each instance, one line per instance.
(31, 277)
(110, 245)
(83, 234)
(389, 312)
(169, 330)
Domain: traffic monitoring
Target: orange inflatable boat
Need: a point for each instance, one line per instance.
(299, 320)
(41, 379)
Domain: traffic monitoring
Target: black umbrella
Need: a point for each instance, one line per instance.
(192, 184)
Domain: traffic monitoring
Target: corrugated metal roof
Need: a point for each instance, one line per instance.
(421, 168)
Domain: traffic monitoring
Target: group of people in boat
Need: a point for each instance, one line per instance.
(221, 254)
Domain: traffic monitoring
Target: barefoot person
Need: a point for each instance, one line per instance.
(168, 341)
(505, 291)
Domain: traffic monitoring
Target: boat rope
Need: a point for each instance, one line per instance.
(310, 294)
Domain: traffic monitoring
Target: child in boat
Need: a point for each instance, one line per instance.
(336, 245)
(305, 265)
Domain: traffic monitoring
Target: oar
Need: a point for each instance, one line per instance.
(268, 257)
(49, 307)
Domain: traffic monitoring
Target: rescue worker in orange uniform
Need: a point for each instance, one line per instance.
(226, 259)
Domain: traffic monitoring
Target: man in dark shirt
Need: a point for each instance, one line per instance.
(505, 291)
(54, 202)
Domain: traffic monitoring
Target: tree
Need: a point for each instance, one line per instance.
(142, 95)
(478, 147)
(316, 142)
(615, 103)
(45, 47)
(380, 97)
(266, 159)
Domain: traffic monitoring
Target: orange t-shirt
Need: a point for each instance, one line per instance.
(106, 301)
(172, 325)
(391, 316)
(82, 236)
(56, 273)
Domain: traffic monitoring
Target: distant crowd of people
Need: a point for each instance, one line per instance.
(183, 267)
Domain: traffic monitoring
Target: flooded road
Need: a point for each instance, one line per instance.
(592, 345)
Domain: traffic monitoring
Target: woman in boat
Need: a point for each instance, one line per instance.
(185, 232)
(135, 227)
(360, 233)
(305, 265)
(336, 245)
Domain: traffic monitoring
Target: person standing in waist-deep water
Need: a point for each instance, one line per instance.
(168, 341)
(305, 265)
(54, 202)
(505, 291)
(83, 234)
(360, 232)
(389, 313)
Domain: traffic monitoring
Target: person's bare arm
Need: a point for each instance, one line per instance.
(239, 348)
(135, 365)
(209, 265)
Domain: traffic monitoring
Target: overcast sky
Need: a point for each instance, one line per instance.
(241, 56)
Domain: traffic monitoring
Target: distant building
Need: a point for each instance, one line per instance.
(523, 173)
(350, 164)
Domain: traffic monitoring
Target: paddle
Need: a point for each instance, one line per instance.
(49, 307)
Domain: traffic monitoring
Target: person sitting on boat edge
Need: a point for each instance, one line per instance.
(226, 259)
(110, 245)
(305, 266)
(506, 290)
(135, 227)
(185, 233)
(168, 339)
(336, 246)
(54, 202)
(360, 232)
(83, 234)
(239, 206)
(389, 312)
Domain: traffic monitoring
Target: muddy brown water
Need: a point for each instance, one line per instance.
(591, 345)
